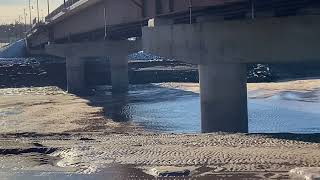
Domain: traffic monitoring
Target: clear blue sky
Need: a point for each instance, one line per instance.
(10, 10)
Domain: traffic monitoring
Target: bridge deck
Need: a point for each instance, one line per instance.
(80, 20)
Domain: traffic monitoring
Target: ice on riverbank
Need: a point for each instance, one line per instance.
(307, 173)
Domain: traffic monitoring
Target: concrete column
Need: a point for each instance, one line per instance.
(223, 92)
(75, 75)
(119, 73)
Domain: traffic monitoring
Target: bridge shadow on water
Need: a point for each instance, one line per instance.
(121, 107)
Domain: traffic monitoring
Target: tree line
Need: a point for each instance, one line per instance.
(12, 32)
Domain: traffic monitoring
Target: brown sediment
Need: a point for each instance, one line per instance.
(79, 138)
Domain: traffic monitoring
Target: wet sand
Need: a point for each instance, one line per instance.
(46, 129)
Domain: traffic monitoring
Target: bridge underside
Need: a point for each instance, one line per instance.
(107, 18)
(221, 49)
(220, 37)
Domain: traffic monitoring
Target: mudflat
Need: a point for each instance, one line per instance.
(46, 129)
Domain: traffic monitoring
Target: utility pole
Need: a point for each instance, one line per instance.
(252, 9)
(25, 20)
(190, 11)
(30, 12)
(16, 29)
(38, 11)
(48, 2)
(19, 26)
(42, 15)
(105, 22)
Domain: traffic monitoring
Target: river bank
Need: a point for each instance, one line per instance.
(47, 130)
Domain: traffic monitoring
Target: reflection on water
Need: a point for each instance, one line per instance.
(171, 110)
(119, 109)
(309, 96)
(268, 115)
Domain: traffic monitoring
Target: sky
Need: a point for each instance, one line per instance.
(10, 10)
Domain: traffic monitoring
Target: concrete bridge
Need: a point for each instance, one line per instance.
(220, 36)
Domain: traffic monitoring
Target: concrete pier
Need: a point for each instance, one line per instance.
(75, 74)
(223, 92)
(119, 73)
(116, 51)
(223, 48)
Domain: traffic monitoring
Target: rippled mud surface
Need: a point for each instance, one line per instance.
(207, 155)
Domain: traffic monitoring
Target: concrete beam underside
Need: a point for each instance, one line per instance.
(268, 40)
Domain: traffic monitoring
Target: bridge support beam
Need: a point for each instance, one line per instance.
(222, 50)
(75, 75)
(223, 97)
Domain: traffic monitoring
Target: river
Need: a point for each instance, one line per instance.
(172, 110)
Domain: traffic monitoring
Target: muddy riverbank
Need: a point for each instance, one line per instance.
(47, 132)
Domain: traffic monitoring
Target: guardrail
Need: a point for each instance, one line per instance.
(61, 8)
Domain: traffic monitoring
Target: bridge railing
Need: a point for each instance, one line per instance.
(61, 8)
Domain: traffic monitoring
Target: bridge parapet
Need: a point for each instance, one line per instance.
(60, 9)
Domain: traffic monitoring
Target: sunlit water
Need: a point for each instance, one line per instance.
(170, 110)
